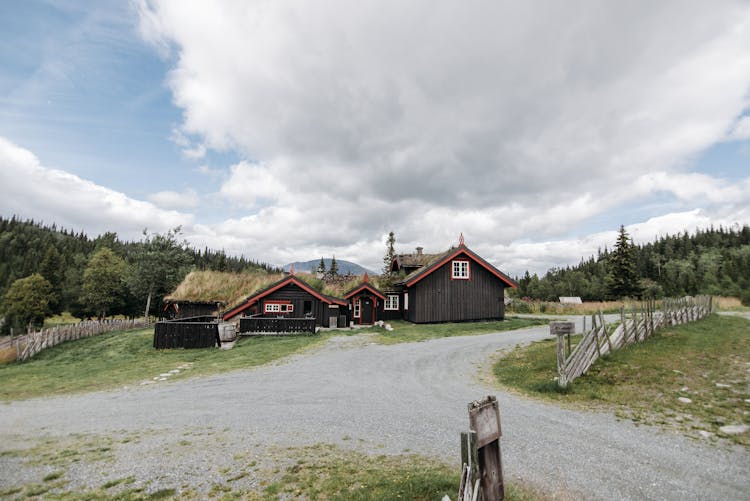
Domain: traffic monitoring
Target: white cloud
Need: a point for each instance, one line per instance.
(740, 130)
(33, 191)
(188, 199)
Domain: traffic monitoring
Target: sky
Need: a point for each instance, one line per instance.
(286, 131)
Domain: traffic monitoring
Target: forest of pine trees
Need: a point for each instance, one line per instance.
(711, 261)
(61, 256)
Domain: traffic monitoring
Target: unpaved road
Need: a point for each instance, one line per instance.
(383, 399)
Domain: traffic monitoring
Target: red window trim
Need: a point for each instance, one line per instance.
(468, 269)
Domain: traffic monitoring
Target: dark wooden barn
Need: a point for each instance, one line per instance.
(456, 286)
(291, 297)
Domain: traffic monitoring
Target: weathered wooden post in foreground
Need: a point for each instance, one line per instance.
(562, 330)
(480, 453)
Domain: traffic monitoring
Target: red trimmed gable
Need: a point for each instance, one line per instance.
(461, 250)
(365, 286)
(291, 279)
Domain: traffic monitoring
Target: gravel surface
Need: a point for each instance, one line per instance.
(382, 399)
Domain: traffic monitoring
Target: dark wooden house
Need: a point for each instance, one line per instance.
(367, 304)
(456, 286)
(177, 309)
(292, 297)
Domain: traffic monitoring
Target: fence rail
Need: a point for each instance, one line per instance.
(635, 326)
(259, 326)
(33, 342)
(195, 332)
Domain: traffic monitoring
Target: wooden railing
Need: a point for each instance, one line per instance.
(635, 326)
(33, 342)
(259, 326)
(193, 332)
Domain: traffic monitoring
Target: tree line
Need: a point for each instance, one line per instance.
(46, 270)
(713, 261)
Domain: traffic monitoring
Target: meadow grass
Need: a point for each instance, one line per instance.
(407, 332)
(706, 361)
(128, 357)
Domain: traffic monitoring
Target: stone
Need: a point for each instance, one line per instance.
(162, 379)
(723, 385)
(685, 400)
(734, 429)
(174, 371)
(705, 434)
(684, 388)
(166, 374)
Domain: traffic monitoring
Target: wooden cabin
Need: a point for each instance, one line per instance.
(292, 297)
(367, 304)
(177, 309)
(456, 286)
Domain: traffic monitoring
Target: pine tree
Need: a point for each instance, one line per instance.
(622, 279)
(390, 253)
(321, 269)
(334, 269)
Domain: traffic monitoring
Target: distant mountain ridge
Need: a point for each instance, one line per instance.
(344, 266)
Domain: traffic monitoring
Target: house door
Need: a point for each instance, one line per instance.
(366, 315)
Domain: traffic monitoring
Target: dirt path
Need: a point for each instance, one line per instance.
(384, 399)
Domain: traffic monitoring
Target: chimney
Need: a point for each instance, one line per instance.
(419, 251)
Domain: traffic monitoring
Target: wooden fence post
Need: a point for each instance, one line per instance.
(484, 419)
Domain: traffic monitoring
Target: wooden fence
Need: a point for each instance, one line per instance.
(33, 342)
(193, 332)
(259, 326)
(635, 326)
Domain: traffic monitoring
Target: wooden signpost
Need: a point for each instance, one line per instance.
(480, 450)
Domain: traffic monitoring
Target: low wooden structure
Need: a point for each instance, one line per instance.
(193, 332)
(635, 326)
(270, 326)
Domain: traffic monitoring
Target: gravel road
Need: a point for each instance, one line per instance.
(383, 399)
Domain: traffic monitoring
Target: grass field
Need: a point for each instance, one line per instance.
(406, 332)
(121, 358)
(707, 362)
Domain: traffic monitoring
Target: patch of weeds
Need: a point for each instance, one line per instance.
(112, 483)
(53, 476)
(239, 476)
(163, 494)
(10, 491)
(185, 443)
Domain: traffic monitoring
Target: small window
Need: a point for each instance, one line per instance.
(357, 308)
(391, 302)
(406, 300)
(460, 270)
(278, 308)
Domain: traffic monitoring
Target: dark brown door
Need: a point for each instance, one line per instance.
(366, 315)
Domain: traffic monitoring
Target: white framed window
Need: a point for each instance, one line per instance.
(391, 302)
(460, 270)
(278, 308)
(357, 308)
